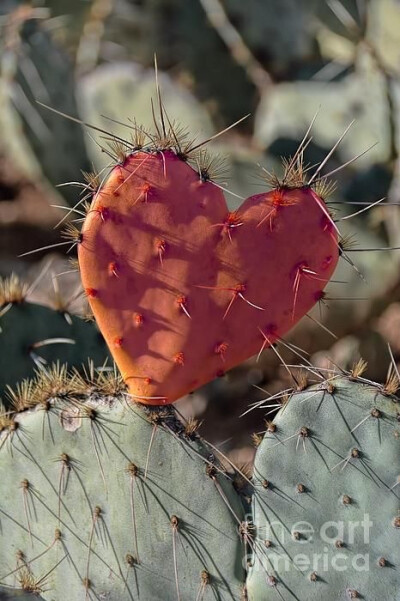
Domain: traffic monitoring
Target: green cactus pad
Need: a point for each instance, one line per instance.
(38, 70)
(328, 496)
(26, 334)
(114, 502)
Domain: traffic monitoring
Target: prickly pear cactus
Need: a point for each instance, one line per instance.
(327, 496)
(33, 335)
(34, 68)
(172, 275)
(104, 499)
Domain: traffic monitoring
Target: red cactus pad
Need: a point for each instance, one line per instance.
(185, 289)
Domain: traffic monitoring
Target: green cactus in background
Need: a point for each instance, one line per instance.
(113, 93)
(32, 335)
(106, 498)
(35, 69)
(326, 506)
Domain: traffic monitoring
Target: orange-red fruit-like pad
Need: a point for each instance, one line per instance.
(182, 288)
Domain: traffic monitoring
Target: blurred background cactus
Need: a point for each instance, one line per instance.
(33, 335)
(219, 60)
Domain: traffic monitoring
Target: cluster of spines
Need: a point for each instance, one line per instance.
(170, 136)
(308, 375)
(58, 383)
(15, 291)
(12, 291)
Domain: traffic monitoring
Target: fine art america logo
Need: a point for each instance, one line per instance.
(310, 549)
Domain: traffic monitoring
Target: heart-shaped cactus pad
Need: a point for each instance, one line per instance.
(181, 288)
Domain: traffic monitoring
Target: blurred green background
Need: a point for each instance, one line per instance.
(280, 61)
